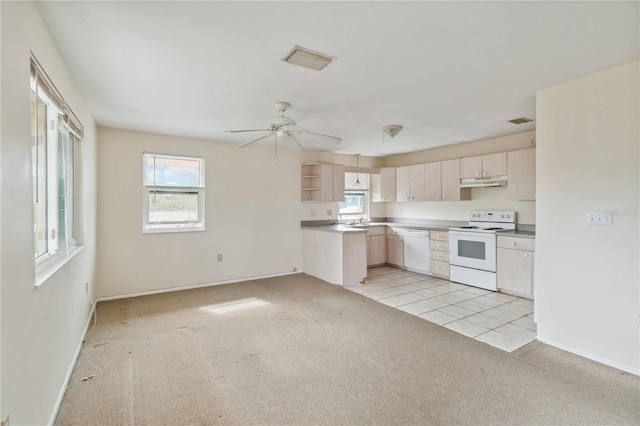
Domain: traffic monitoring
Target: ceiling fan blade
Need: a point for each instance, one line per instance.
(253, 130)
(331, 139)
(254, 140)
(296, 146)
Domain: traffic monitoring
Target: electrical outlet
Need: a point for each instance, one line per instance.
(599, 218)
(329, 212)
(5, 421)
(219, 257)
(312, 213)
(295, 269)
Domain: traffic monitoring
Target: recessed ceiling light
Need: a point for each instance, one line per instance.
(307, 58)
(520, 120)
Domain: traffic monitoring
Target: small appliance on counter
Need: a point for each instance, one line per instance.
(473, 248)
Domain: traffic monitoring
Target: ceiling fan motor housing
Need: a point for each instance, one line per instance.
(279, 122)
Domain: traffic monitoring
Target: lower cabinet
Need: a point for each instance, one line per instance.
(515, 266)
(376, 246)
(439, 253)
(395, 247)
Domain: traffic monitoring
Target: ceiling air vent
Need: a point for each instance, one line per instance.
(308, 58)
(520, 120)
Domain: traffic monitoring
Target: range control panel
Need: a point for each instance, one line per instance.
(493, 216)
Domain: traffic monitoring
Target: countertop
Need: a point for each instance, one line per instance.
(344, 228)
(516, 233)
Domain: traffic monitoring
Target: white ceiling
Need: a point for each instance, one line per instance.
(449, 72)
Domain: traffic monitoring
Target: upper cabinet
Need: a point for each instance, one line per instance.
(451, 190)
(322, 182)
(383, 186)
(442, 182)
(521, 169)
(410, 183)
(484, 166)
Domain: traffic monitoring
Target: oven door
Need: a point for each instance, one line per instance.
(473, 250)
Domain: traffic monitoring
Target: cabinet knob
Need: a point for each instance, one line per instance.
(513, 243)
(526, 255)
(438, 197)
(478, 174)
(444, 198)
(485, 173)
(439, 267)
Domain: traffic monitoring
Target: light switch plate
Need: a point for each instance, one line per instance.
(599, 218)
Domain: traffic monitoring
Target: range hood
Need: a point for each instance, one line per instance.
(483, 182)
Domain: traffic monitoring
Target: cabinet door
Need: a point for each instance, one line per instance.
(514, 271)
(388, 184)
(451, 190)
(377, 250)
(395, 250)
(376, 189)
(471, 167)
(338, 182)
(402, 183)
(494, 164)
(433, 181)
(521, 174)
(326, 182)
(416, 182)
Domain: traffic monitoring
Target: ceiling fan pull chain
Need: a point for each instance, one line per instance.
(275, 154)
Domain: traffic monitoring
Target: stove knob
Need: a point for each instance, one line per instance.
(508, 216)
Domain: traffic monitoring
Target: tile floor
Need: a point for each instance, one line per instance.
(500, 320)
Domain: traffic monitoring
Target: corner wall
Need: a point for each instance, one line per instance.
(42, 327)
(587, 277)
(252, 216)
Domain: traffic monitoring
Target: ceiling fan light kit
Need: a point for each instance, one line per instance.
(391, 130)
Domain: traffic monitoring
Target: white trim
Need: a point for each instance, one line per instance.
(54, 414)
(189, 287)
(601, 360)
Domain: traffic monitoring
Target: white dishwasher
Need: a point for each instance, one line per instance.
(416, 251)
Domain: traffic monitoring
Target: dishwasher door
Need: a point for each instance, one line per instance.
(416, 251)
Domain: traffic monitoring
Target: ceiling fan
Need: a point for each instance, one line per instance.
(286, 129)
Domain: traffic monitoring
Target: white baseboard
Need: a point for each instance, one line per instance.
(189, 287)
(601, 360)
(52, 419)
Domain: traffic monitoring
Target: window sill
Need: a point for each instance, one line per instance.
(45, 274)
(173, 230)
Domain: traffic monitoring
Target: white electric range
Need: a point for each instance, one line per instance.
(472, 248)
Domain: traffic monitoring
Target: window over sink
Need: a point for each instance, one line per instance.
(355, 206)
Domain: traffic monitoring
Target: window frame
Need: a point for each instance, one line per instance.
(148, 189)
(59, 122)
(365, 205)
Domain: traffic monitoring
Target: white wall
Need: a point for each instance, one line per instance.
(587, 280)
(481, 198)
(252, 216)
(41, 327)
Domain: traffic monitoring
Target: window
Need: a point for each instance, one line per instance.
(355, 205)
(56, 135)
(173, 197)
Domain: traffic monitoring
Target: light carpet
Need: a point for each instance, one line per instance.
(296, 350)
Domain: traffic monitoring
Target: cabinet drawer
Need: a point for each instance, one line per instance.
(439, 245)
(515, 243)
(377, 230)
(442, 256)
(439, 235)
(440, 269)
